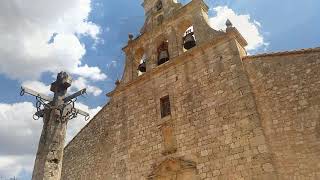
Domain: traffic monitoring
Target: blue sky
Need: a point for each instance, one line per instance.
(85, 37)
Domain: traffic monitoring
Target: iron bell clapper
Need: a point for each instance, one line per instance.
(189, 41)
(163, 57)
(142, 67)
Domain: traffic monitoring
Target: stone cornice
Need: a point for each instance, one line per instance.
(284, 53)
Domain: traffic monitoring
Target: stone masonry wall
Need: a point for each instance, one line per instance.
(287, 92)
(213, 114)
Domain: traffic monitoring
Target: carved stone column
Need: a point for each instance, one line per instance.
(48, 163)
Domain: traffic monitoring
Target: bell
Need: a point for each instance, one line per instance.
(189, 41)
(142, 67)
(163, 57)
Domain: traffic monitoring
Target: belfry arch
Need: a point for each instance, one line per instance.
(184, 29)
(189, 40)
(163, 52)
(140, 61)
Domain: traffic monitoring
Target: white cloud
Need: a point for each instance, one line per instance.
(93, 73)
(26, 28)
(112, 64)
(247, 27)
(94, 90)
(20, 135)
(76, 85)
(11, 166)
(81, 83)
(38, 86)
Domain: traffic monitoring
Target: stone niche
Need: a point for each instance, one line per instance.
(169, 140)
(175, 169)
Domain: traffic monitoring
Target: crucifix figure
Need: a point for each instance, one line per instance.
(56, 112)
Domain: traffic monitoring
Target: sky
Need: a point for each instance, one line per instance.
(39, 38)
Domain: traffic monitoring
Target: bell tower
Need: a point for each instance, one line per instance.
(158, 5)
(170, 30)
(156, 11)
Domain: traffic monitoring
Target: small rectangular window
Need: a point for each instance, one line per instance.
(165, 106)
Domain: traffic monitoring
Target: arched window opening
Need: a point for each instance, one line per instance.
(163, 53)
(142, 68)
(140, 61)
(159, 5)
(189, 40)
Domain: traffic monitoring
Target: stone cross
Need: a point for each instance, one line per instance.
(56, 112)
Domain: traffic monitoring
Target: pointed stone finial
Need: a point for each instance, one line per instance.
(130, 36)
(117, 83)
(228, 23)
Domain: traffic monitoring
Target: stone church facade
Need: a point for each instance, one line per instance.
(192, 105)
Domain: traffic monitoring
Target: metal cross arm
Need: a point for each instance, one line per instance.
(34, 93)
(40, 113)
(75, 95)
(66, 107)
(85, 114)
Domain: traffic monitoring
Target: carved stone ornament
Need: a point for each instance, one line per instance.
(174, 167)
